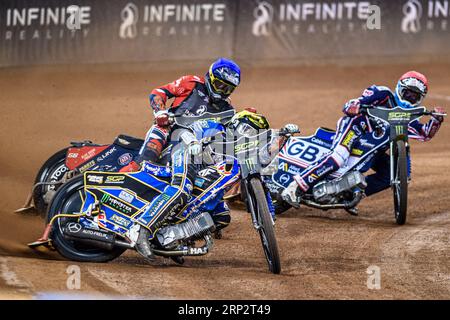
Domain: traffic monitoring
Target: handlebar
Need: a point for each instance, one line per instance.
(365, 107)
(286, 133)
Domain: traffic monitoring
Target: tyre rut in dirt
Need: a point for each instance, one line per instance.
(401, 188)
(266, 232)
(55, 164)
(68, 200)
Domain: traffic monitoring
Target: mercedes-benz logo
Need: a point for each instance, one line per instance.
(74, 227)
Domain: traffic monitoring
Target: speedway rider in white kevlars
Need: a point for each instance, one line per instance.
(410, 91)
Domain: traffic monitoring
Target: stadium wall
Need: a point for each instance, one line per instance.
(270, 31)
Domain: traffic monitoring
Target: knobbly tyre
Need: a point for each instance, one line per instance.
(397, 120)
(90, 217)
(76, 159)
(248, 145)
(344, 188)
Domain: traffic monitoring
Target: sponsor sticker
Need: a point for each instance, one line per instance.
(196, 251)
(115, 179)
(116, 204)
(365, 143)
(120, 220)
(125, 159)
(199, 182)
(87, 166)
(399, 116)
(205, 172)
(320, 142)
(357, 152)
(126, 196)
(88, 154)
(285, 178)
(245, 146)
(95, 179)
(106, 154)
(349, 138)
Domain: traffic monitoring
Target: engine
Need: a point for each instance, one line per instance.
(192, 228)
(327, 191)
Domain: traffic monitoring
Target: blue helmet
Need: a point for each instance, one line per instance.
(222, 78)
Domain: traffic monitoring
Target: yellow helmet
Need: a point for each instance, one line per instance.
(248, 122)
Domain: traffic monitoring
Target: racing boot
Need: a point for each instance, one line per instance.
(143, 245)
(353, 211)
(292, 194)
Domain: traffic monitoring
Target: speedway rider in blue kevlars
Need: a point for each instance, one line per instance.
(410, 91)
(189, 160)
(193, 96)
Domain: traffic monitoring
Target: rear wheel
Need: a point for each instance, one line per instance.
(69, 200)
(52, 170)
(266, 230)
(400, 186)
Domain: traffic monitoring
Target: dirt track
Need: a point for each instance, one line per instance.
(323, 254)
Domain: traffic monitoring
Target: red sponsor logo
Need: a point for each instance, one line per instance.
(77, 156)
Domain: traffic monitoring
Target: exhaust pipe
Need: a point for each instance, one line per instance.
(107, 241)
(188, 251)
(345, 205)
(97, 238)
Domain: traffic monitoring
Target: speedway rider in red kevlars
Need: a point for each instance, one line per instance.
(410, 91)
(193, 95)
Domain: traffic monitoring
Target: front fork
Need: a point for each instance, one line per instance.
(251, 206)
(393, 161)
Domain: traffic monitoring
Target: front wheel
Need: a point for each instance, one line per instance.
(400, 185)
(266, 230)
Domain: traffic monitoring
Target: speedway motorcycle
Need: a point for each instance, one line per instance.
(344, 188)
(76, 159)
(91, 217)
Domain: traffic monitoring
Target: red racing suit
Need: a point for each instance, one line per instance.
(190, 98)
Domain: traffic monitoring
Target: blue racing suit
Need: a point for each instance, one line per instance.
(349, 131)
(185, 167)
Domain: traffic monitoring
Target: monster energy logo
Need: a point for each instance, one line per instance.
(118, 205)
(250, 162)
(399, 130)
(105, 197)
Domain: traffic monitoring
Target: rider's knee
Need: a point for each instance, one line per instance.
(340, 155)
